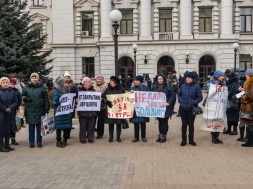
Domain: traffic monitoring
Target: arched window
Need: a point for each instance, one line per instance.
(206, 67)
(166, 65)
(126, 67)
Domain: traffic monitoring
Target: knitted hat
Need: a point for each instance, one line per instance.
(100, 76)
(12, 80)
(4, 78)
(34, 75)
(86, 80)
(66, 74)
(115, 79)
(218, 74)
(249, 72)
(190, 75)
(139, 78)
(60, 80)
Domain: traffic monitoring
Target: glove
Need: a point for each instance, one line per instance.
(57, 104)
(8, 110)
(109, 103)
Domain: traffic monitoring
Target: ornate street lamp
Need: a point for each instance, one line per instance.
(187, 57)
(235, 46)
(134, 47)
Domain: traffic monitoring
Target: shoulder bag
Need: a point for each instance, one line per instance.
(195, 109)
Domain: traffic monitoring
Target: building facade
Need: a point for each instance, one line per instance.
(166, 31)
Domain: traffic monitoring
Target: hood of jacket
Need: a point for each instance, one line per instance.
(35, 85)
(60, 88)
(231, 80)
(164, 79)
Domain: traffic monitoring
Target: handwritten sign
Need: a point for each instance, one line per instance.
(123, 106)
(88, 101)
(150, 104)
(214, 116)
(67, 104)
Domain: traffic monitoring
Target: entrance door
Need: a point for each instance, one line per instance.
(206, 68)
(126, 67)
(166, 65)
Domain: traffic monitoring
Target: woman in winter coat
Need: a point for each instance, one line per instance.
(114, 87)
(189, 95)
(139, 121)
(61, 122)
(87, 119)
(217, 79)
(100, 86)
(232, 109)
(161, 85)
(35, 97)
(247, 105)
(8, 107)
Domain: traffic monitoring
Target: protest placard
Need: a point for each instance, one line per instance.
(67, 104)
(214, 116)
(123, 105)
(150, 104)
(88, 101)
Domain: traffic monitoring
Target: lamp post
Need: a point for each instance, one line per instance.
(235, 46)
(145, 57)
(187, 57)
(134, 47)
(115, 17)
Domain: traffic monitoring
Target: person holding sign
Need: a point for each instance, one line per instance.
(87, 119)
(114, 87)
(161, 85)
(189, 95)
(61, 122)
(139, 86)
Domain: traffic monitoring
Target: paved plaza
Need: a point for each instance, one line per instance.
(127, 165)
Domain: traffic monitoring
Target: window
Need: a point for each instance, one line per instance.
(165, 20)
(38, 27)
(205, 19)
(89, 66)
(87, 24)
(244, 61)
(126, 24)
(246, 19)
(37, 2)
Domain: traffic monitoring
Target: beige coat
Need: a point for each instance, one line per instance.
(101, 88)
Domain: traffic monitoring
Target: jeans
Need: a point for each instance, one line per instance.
(32, 133)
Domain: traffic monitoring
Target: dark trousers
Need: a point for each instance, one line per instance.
(137, 130)
(111, 127)
(32, 133)
(163, 125)
(4, 136)
(100, 122)
(87, 127)
(66, 134)
(187, 119)
(12, 134)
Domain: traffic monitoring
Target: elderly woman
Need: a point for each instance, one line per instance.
(61, 122)
(36, 101)
(114, 87)
(8, 106)
(247, 106)
(100, 86)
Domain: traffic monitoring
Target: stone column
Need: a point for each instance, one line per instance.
(226, 19)
(186, 19)
(146, 20)
(106, 23)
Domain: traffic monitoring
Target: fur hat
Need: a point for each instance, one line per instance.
(249, 72)
(60, 80)
(218, 74)
(4, 78)
(115, 79)
(100, 76)
(191, 75)
(139, 77)
(86, 80)
(34, 75)
(66, 74)
(12, 80)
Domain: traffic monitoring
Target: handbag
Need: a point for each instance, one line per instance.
(125, 124)
(246, 115)
(195, 109)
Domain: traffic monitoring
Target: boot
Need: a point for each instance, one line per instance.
(214, 138)
(14, 142)
(7, 146)
(3, 149)
(228, 131)
(249, 143)
(60, 144)
(241, 133)
(183, 143)
(65, 141)
(234, 131)
(118, 135)
(246, 136)
(111, 135)
(163, 138)
(217, 138)
(191, 141)
(7, 142)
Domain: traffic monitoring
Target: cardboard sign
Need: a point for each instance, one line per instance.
(89, 101)
(67, 104)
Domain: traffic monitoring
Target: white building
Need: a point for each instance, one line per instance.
(81, 35)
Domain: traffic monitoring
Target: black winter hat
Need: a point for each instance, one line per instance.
(139, 77)
(115, 79)
(191, 75)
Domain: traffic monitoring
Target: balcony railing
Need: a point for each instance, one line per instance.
(165, 36)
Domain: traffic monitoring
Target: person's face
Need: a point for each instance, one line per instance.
(112, 83)
(188, 80)
(99, 80)
(34, 79)
(67, 79)
(12, 85)
(66, 84)
(87, 84)
(221, 78)
(5, 84)
(15, 78)
(174, 74)
(137, 82)
(160, 80)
